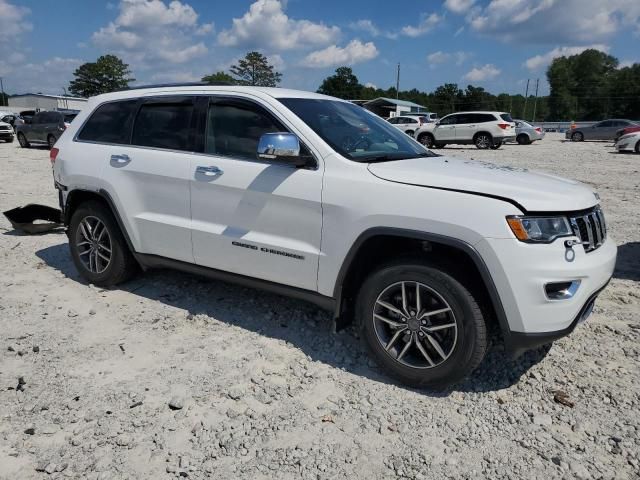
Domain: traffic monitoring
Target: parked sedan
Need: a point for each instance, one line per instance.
(629, 143)
(527, 133)
(627, 130)
(605, 130)
(43, 129)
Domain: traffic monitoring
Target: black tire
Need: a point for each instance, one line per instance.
(409, 132)
(10, 140)
(22, 140)
(483, 140)
(465, 352)
(638, 147)
(439, 145)
(51, 141)
(523, 139)
(577, 137)
(426, 139)
(121, 266)
(496, 145)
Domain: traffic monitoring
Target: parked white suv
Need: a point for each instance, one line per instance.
(408, 124)
(482, 129)
(314, 197)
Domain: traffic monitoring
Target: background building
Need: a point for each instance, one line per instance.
(38, 101)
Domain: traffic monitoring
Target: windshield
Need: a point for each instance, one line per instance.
(354, 132)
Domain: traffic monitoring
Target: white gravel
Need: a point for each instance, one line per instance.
(175, 375)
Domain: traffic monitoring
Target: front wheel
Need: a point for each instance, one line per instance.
(22, 140)
(98, 248)
(426, 139)
(421, 325)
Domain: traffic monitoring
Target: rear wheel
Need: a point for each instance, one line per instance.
(483, 141)
(426, 139)
(98, 248)
(439, 145)
(496, 145)
(22, 140)
(51, 141)
(577, 137)
(638, 147)
(421, 325)
(523, 139)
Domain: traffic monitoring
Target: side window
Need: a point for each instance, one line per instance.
(393, 121)
(234, 128)
(450, 120)
(605, 124)
(164, 125)
(109, 123)
(412, 120)
(464, 118)
(36, 119)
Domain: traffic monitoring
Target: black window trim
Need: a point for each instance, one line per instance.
(225, 97)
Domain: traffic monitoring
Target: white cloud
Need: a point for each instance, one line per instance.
(13, 21)
(49, 76)
(628, 63)
(440, 57)
(481, 74)
(147, 32)
(427, 24)
(354, 52)
(370, 85)
(555, 21)
(266, 26)
(175, 77)
(539, 61)
(277, 61)
(459, 6)
(366, 26)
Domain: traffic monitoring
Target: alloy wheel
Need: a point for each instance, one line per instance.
(94, 244)
(415, 325)
(483, 141)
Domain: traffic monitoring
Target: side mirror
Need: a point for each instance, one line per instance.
(282, 147)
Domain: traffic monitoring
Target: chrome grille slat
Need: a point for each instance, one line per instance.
(590, 228)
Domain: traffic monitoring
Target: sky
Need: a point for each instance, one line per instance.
(496, 44)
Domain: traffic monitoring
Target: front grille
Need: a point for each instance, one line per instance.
(591, 228)
(3, 127)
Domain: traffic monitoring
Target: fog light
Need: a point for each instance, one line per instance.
(561, 290)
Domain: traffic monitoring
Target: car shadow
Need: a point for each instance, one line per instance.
(294, 321)
(628, 262)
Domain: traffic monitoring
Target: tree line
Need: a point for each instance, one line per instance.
(587, 86)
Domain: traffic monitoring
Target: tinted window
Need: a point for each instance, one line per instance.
(109, 123)
(506, 117)
(38, 118)
(411, 120)
(450, 120)
(52, 117)
(234, 128)
(394, 120)
(605, 124)
(163, 125)
(68, 118)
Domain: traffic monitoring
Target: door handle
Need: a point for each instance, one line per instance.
(122, 158)
(209, 171)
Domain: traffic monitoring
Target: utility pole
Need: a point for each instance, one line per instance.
(535, 102)
(398, 82)
(526, 96)
(2, 90)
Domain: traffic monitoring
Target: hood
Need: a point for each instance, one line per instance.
(533, 191)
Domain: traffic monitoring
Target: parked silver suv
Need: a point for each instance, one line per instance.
(43, 129)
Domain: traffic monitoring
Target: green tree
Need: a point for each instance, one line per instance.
(445, 98)
(343, 84)
(107, 74)
(254, 69)
(219, 77)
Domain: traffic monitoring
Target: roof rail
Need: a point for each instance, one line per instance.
(180, 84)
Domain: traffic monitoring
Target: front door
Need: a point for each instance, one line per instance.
(446, 129)
(253, 217)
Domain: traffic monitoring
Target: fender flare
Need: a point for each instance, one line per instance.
(466, 247)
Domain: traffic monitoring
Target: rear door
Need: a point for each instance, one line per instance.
(253, 217)
(53, 125)
(33, 130)
(467, 126)
(148, 172)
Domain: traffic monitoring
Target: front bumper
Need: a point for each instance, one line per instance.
(520, 272)
(625, 144)
(6, 134)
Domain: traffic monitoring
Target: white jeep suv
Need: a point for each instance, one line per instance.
(314, 197)
(482, 129)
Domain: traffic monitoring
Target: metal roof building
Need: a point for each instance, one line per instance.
(39, 101)
(390, 107)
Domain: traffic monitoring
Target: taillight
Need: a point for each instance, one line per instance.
(538, 129)
(53, 153)
(504, 126)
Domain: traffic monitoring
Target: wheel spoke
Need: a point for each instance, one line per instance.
(96, 260)
(98, 254)
(106, 249)
(91, 260)
(404, 299)
(424, 353)
(435, 328)
(83, 231)
(82, 243)
(388, 321)
(406, 347)
(393, 340)
(434, 312)
(85, 252)
(418, 299)
(390, 307)
(436, 345)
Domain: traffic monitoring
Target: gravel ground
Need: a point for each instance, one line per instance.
(174, 375)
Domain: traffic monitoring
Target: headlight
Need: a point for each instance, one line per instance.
(539, 229)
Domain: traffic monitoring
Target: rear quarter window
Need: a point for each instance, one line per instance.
(109, 123)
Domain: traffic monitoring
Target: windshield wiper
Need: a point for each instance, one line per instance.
(385, 157)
